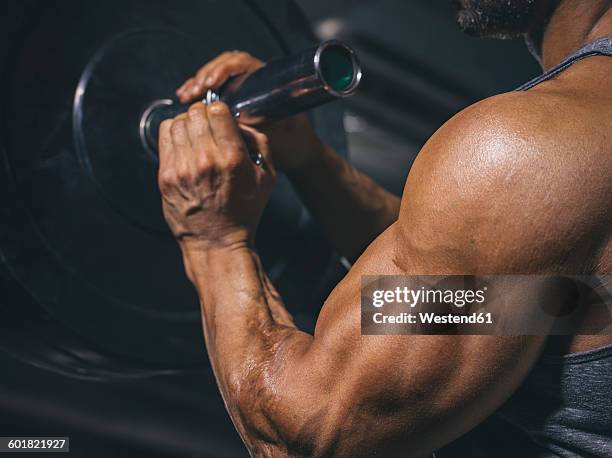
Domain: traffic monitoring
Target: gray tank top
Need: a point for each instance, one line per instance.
(564, 407)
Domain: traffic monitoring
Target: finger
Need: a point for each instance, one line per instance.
(165, 144)
(214, 74)
(198, 129)
(182, 86)
(201, 77)
(223, 125)
(182, 91)
(187, 93)
(178, 131)
(181, 144)
(233, 66)
(165, 174)
(195, 86)
(225, 131)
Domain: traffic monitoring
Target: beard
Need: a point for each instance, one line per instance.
(496, 18)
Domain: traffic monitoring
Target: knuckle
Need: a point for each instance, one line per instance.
(220, 70)
(184, 176)
(239, 55)
(224, 54)
(165, 125)
(232, 162)
(178, 126)
(243, 55)
(204, 166)
(200, 77)
(196, 109)
(165, 180)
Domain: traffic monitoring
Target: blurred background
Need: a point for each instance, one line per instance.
(419, 70)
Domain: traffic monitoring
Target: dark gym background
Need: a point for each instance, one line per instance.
(419, 70)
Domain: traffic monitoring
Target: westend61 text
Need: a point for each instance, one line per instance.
(432, 318)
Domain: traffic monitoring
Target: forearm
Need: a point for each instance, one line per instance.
(352, 208)
(248, 334)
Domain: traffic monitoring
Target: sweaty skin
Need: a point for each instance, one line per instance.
(518, 183)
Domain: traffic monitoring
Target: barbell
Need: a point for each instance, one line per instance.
(282, 88)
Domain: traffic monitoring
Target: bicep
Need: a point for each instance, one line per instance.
(414, 392)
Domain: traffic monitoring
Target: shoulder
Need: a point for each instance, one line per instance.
(514, 128)
(511, 174)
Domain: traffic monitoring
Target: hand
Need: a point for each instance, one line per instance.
(293, 142)
(213, 193)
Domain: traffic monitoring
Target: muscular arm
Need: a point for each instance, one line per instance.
(337, 392)
(350, 206)
(479, 199)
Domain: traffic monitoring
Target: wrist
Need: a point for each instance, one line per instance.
(210, 269)
(230, 240)
(203, 253)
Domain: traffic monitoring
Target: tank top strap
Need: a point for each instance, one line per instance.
(600, 47)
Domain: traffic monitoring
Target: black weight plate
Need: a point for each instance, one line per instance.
(84, 232)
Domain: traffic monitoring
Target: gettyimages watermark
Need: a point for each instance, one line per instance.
(486, 305)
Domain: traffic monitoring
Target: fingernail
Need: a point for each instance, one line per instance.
(209, 81)
(195, 89)
(215, 107)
